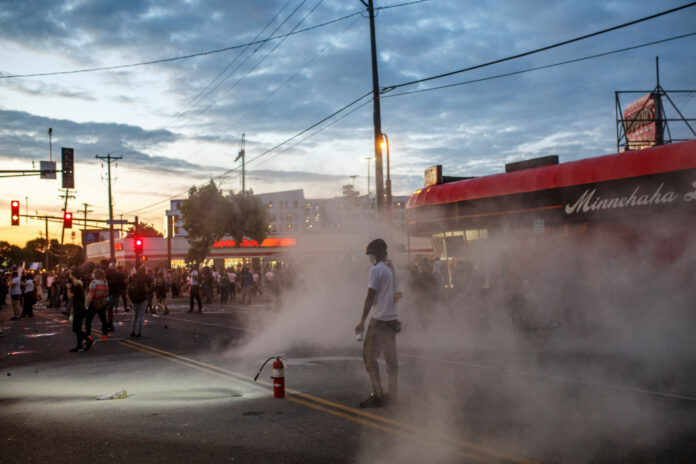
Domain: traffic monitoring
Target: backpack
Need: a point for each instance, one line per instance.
(137, 291)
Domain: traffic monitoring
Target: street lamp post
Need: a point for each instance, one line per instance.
(389, 205)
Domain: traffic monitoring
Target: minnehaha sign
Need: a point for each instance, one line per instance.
(589, 200)
(270, 242)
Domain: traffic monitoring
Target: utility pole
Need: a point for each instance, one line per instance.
(48, 245)
(109, 158)
(84, 246)
(377, 117)
(65, 195)
(242, 155)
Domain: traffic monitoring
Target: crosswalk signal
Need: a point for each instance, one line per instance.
(14, 204)
(67, 220)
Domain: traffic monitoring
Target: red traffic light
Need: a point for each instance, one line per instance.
(67, 220)
(14, 204)
(138, 244)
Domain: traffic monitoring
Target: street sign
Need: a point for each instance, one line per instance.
(48, 169)
(117, 221)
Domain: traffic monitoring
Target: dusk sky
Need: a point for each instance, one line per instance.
(179, 123)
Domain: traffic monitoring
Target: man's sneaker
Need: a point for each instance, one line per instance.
(104, 338)
(132, 335)
(76, 349)
(372, 402)
(88, 345)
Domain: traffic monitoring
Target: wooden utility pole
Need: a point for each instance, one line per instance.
(377, 116)
(109, 158)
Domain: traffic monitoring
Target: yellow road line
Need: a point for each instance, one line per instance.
(355, 414)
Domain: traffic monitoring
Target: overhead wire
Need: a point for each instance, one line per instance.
(198, 113)
(537, 68)
(538, 50)
(204, 53)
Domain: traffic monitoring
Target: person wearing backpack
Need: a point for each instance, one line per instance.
(138, 288)
(96, 302)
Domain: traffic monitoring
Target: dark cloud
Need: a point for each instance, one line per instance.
(471, 129)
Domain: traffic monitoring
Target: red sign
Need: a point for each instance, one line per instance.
(267, 243)
(118, 246)
(640, 124)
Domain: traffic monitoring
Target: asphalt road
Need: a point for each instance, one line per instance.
(191, 398)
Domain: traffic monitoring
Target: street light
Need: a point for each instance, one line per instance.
(385, 145)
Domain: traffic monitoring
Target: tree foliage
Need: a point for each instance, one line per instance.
(208, 215)
(10, 254)
(142, 229)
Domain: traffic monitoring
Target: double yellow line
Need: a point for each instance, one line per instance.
(463, 448)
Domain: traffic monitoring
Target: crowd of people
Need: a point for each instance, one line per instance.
(81, 293)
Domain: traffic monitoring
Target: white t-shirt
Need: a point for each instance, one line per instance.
(382, 281)
(28, 286)
(194, 278)
(15, 289)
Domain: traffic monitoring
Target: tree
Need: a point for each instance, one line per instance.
(9, 255)
(208, 216)
(142, 229)
(205, 218)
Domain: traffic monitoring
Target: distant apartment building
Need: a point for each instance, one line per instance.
(289, 212)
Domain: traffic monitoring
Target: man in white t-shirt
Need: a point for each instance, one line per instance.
(380, 304)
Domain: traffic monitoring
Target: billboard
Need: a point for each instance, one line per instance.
(640, 123)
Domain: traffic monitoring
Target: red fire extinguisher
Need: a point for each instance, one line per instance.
(278, 376)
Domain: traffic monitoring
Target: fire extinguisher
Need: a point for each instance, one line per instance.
(278, 376)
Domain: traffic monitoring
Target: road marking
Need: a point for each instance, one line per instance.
(212, 324)
(355, 415)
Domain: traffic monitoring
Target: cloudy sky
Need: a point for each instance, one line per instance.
(179, 122)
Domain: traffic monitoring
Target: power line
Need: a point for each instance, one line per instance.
(531, 52)
(201, 93)
(208, 52)
(576, 60)
(226, 173)
(204, 109)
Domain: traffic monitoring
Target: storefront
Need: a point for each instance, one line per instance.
(634, 197)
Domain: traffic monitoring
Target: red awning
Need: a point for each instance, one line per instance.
(655, 160)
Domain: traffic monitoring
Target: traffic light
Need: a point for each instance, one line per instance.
(68, 167)
(15, 212)
(67, 220)
(138, 246)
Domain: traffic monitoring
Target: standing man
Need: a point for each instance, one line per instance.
(195, 290)
(139, 287)
(380, 304)
(15, 294)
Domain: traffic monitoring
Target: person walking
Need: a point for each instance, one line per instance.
(15, 294)
(161, 292)
(138, 290)
(77, 294)
(380, 304)
(29, 297)
(195, 290)
(96, 302)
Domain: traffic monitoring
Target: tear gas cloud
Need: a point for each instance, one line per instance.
(555, 347)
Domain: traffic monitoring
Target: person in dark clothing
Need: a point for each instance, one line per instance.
(4, 290)
(78, 303)
(195, 290)
(139, 287)
(114, 281)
